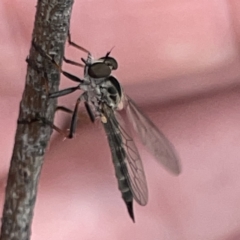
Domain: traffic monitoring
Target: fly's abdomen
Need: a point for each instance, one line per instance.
(122, 181)
(116, 144)
(118, 157)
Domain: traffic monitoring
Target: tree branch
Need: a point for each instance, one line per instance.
(32, 136)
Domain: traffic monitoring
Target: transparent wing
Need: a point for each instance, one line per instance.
(125, 155)
(154, 140)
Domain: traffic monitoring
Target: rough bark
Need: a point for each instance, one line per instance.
(32, 136)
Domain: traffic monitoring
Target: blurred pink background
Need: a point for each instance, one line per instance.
(179, 60)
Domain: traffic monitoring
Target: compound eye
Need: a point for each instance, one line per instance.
(110, 62)
(99, 70)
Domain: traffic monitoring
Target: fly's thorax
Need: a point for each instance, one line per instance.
(111, 92)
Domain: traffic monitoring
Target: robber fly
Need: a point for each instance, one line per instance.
(105, 99)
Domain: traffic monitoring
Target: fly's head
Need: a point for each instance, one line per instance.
(100, 68)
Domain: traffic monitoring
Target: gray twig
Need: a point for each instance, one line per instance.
(32, 135)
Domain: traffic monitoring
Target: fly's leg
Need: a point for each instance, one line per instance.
(73, 125)
(79, 48)
(63, 92)
(76, 45)
(73, 62)
(62, 132)
(67, 110)
(74, 118)
(64, 109)
(44, 121)
(47, 122)
(74, 115)
(89, 111)
(51, 58)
